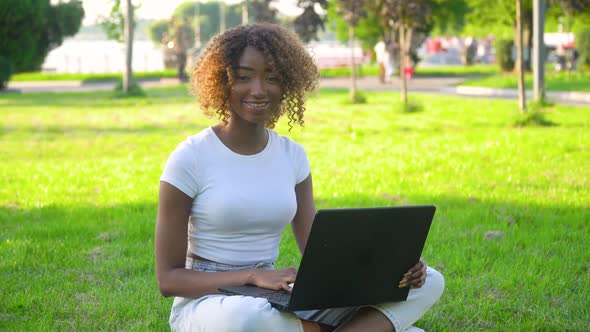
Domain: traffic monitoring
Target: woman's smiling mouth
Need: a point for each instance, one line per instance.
(256, 104)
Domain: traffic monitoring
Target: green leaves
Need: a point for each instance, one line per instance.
(352, 10)
(29, 29)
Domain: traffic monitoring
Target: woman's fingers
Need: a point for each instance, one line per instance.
(418, 279)
(275, 279)
(415, 277)
(288, 276)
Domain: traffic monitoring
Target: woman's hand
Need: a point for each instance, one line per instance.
(273, 279)
(415, 277)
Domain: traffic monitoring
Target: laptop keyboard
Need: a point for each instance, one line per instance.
(277, 296)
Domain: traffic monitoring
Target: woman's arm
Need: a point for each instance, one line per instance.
(301, 224)
(171, 245)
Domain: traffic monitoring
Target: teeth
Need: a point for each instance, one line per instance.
(256, 104)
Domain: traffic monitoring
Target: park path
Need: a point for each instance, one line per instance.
(439, 85)
(452, 86)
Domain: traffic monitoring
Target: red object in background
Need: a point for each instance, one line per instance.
(409, 72)
(433, 46)
(569, 44)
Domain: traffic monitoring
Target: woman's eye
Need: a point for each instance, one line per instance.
(242, 78)
(272, 78)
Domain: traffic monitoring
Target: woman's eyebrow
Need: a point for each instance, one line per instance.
(244, 68)
(268, 69)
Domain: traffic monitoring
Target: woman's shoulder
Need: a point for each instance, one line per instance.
(194, 141)
(288, 146)
(285, 142)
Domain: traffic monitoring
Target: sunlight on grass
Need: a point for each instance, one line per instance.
(575, 81)
(80, 178)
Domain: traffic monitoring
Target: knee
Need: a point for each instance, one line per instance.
(435, 282)
(250, 314)
(244, 313)
(226, 313)
(256, 314)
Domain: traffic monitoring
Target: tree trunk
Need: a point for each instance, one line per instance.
(402, 64)
(197, 25)
(245, 12)
(221, 16)
(519, 58)
(538, 50)
(568, 28)
(128, 75)
(352, 65)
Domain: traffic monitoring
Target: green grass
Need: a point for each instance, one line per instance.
(444, 71)
(457, 70)
(78, 198)
(89, 77)
(365, 70)
(574, 81)
(477, 75)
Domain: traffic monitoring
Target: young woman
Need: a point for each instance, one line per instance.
(234, 187)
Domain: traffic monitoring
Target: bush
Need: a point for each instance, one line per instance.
(504, 54)
(358, 98)
(135, 90)
(533, 118)
(414, 105)
(583, 45)
(5, 72)
(157, 31)
(30, 29)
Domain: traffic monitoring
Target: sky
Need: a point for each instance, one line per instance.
(157, 9)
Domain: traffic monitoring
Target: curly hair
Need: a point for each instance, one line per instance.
(214, 71)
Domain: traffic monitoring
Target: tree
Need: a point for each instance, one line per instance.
(209, 17)
(405, 17)
(158, 31)
(447, 17)
(30, 29)
(114, 24)
(574, 11)
(128, 76)
(309, 22)
(119, 25)
(182, 37)
(352, 11)
(519, 57)
(366, 31)
(184, 30)
(573, 7)
(500, 20)
(260, 11)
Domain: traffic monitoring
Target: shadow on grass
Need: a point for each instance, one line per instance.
(412, 106)
(533, 118)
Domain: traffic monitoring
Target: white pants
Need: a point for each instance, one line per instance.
(245, 313)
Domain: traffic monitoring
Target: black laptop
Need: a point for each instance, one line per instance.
(353, 257)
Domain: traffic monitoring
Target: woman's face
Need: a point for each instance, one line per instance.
(256, 91)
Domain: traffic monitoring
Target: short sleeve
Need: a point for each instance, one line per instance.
(181, 169)
(302, 167)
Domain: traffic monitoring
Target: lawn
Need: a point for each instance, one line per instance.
(364, 70)
(483, 75)
(78, 198)
(574, 81)
(89, 77)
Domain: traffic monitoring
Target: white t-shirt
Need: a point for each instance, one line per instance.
(241, 203)
(380, 51)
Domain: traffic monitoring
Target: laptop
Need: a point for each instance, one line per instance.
(353, 257)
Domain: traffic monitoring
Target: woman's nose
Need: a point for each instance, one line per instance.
(257, 87)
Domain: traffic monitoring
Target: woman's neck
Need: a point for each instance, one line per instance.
(246, 140)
